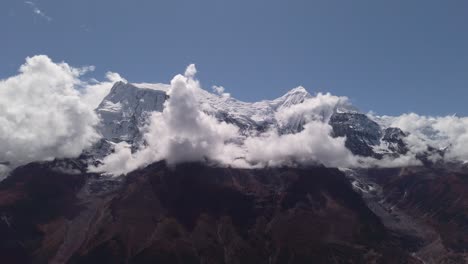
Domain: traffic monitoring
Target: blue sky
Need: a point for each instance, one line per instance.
(391, 57)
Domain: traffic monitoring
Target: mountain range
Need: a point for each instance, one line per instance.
(199, 211)
(127, 107)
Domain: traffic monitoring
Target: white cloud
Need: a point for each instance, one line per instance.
(38, 11)
(184, 133)
(42, 115)
(219, 90)
(313, 145)
(190, 71)
(431, 135)
(123, 160)
(448, 133)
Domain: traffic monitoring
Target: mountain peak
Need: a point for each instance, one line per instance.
(124, 110)
(292, 97)
(297, 90)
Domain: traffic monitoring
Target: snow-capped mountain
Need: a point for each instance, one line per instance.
(252, 117)
(128, 105)
(125, 111)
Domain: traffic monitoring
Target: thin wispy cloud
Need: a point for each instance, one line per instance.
(38, 11)
(85, 28)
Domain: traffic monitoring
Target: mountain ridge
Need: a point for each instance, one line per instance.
(364, 136)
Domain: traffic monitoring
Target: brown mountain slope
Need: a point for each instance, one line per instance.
(436, 197)
(190, 214)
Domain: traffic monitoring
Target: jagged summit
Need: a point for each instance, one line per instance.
(292, 97)
(298, 92)
(125, 110)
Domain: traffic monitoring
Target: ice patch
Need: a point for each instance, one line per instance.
(111, 107)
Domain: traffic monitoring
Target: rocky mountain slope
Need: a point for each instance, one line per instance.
(191, 214)
(125, 109)
(427, 205)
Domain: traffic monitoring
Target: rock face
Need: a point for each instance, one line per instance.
(360, 131)
(394, 137)
(365, 137)
(126, 109)
(190, 214)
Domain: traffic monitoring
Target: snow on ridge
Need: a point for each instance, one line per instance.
(111, 107)
(153, 86)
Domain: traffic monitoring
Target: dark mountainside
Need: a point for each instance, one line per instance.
(191, 214)
(438, 199)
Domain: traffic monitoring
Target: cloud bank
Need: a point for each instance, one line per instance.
(447, 135)
(44, 113)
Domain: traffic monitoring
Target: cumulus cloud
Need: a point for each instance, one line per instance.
(184, 133)
(122, 160)
(219, 90)
(448, 134)
(190, 71)
(42, 115)
(313, 145)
